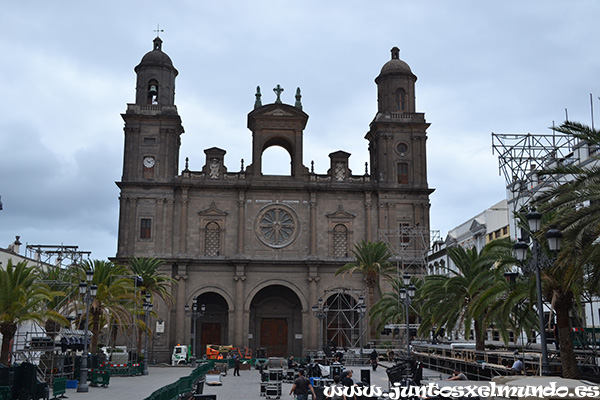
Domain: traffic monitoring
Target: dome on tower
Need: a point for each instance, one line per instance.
(156, 57)
(395, 66)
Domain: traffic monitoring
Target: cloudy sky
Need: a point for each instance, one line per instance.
(67, 74)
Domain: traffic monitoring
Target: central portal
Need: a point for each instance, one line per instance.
(276, 322)
(274, 336)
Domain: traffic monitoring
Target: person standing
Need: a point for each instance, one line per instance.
(374, 356)
(302, 386)
(236, 366)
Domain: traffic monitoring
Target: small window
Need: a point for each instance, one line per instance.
(146, 228)
(505, 231)
(212, 239)
(149, 141)
(404, 228)
(340, 241)
(495, 335)
(400, 100)
(403, 173)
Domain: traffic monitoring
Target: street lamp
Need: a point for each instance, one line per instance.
(406, 294)
(88, 291)
(147, 310)
(320, 311)
(194, 314)
(361, 308)
(554, 237)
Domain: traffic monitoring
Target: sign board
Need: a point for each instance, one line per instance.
(160, 326)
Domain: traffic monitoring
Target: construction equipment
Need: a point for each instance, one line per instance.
(219, 352)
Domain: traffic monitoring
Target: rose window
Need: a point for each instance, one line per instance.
(277, 227)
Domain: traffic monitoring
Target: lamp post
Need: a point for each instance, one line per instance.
(147, 310)
(361, 308)
(554, 237)
(406, 294)
(320, 311)
(88, 292)
(194, 314)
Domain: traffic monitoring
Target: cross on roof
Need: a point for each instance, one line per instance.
(158, 30)
(278, 90)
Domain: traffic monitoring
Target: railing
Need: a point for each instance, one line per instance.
(183, 385)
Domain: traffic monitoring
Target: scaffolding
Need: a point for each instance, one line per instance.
(344, 327)
(521, 157)
(410, 245)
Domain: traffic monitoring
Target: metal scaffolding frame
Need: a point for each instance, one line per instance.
(522, 156)
(409, 245)
(342, 325)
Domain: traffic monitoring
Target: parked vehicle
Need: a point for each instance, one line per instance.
(182, 354)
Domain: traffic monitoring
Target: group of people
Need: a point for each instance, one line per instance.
(302, 386)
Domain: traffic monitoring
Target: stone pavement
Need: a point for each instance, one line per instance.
(244, 387)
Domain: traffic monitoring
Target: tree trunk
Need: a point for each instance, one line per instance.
(567, 353)
(479, 335)
(371, 300)
(8, 331)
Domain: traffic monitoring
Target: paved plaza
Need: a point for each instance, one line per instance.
(244, 387)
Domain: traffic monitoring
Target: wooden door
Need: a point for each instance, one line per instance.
(210, 334)
(274, 336)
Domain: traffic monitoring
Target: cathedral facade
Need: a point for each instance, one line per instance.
(259, 252)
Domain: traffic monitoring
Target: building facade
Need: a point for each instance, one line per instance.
(258, 251)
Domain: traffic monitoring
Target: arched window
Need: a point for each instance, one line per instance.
(212, 239)
(403, 173)
(340, 241)
(400, 99)
(153, 92)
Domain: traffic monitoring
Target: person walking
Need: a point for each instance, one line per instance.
(302, 386)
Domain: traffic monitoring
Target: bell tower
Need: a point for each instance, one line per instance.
(397, 135)
(152, 124)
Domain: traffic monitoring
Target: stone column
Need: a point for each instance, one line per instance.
(169, 219)
(368, 207)
(313, 224)
(238, 325)
(182, 334)
(184, 218)
(241, 219)
(159, 240)
(313, 298)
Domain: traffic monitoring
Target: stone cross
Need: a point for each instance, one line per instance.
(278, 90)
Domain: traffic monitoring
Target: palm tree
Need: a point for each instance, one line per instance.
(509, 305)
(114, 296)
(448, 301)
(573, 207)
(152, 283)
(372, 260)
(22, 299)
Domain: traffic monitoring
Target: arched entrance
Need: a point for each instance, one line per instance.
(344, 326)
(212, 327)
(276, 321)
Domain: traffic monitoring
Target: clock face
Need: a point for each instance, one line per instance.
(148, 162)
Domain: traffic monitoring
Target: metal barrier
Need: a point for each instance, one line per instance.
(183, 385)
(5, 393)
(59, 387)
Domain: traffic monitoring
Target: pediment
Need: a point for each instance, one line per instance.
(477, 226)
(278, 112)
(213, 211)
(340, 213)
